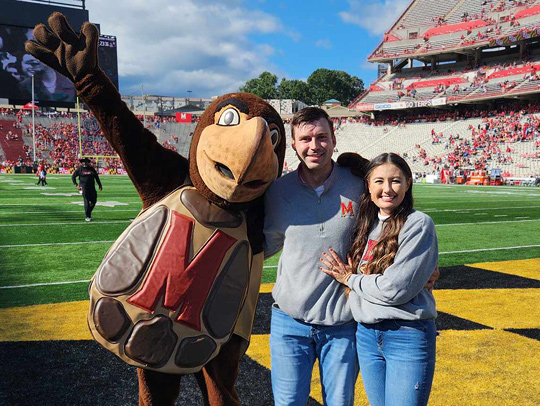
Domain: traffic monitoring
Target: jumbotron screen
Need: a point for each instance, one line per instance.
(17, 68)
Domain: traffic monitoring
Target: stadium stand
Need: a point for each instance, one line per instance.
(11, 140)
(460, 91)
(506, 142)
(57, 140)
(429, 26)
(508, 139)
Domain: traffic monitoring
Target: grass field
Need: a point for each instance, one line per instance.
(489, 242)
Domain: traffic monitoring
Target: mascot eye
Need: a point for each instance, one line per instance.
(229, 117)
(274, 136)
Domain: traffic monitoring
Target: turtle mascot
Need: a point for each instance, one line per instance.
(176, 293)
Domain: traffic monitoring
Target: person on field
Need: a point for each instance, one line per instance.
(42, 175)
(87, 177)
(306, 211)
(392, 258)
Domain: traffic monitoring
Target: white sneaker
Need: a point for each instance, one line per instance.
(88, 219)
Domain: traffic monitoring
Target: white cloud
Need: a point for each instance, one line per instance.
(374, 16)
(173, 46)
(369, 66)
(324, 43)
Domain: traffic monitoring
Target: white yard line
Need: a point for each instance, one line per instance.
(56, 212)
(490, 249)
(522, 219)
(42, 284)
(266, 266)
(56, 243)
(477, 209)
(41, 203)
(81, 222)
(486, 222)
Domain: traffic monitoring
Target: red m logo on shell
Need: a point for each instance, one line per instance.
(183, 285)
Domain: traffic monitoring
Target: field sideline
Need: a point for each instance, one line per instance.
(489, 242)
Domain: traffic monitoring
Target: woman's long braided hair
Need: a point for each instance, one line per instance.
(384, 251)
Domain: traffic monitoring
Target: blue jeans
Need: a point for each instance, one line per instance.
(294, 347)
(397, 361)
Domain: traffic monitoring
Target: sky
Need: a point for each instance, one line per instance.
(212, 47)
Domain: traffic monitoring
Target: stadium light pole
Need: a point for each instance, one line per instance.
(144, 101)
(33, 122)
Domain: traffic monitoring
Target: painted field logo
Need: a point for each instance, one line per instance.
(347, 210)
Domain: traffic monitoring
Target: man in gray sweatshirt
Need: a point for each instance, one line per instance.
(306, 212)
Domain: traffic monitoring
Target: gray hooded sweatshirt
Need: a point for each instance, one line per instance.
(304, 225)
(399, 292)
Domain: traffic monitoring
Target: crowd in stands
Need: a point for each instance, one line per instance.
(491, 141)
(394, 118)
(466, 82)
(483, 18)
(57, 144)
(169, 145)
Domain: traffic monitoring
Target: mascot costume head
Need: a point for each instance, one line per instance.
(176, 293)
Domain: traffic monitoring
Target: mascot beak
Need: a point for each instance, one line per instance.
(238, 162)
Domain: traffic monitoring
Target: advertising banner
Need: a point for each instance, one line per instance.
(513, 38)
(183, 117)
(364, 107)
(441, 101)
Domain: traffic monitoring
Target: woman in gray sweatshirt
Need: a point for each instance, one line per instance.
(392, 258)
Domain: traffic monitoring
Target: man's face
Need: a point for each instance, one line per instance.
(314, 144)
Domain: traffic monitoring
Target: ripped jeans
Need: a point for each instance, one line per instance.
(397, 361)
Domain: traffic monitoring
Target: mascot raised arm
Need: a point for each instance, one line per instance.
(176, 293)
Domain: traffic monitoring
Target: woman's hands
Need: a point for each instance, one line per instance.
(336, 268)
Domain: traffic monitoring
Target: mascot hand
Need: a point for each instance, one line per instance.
(72, 55)
(356, 163)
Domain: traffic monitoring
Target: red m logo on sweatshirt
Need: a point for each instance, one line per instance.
(347, 210)
(183, 285)
(368, 256)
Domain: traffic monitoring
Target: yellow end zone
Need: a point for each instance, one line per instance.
(59, 321)
(478, 368)
(497, 308)
(526, 268)
(484, 368)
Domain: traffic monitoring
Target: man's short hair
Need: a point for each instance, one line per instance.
(309, 115)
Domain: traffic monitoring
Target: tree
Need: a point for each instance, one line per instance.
(322, 84)
(295, 89)
(328, 84)
(264, 86)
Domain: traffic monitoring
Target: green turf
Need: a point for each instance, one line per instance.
(467, 218)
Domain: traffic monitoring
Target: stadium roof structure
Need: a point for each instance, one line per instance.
(341, 111)
(456, 51)
(64, 3)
